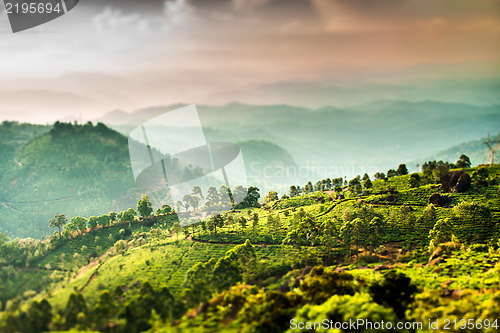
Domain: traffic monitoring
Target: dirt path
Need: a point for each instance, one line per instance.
(92, 277)
(13, 209)
(91, 264)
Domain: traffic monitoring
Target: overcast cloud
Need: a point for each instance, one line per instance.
(188, 50)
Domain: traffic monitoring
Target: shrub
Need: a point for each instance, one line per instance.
(320, 285)
(479, 248)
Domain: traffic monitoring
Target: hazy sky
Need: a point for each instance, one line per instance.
(129, 54)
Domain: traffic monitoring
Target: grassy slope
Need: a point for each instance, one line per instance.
(80, 172)
(163, 260)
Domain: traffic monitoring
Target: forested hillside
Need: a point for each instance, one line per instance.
(83, 170)
(64, 168)
(397, 247)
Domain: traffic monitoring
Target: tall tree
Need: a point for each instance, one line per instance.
(80, 223)
(240, 193)
(308, 231)
(252, 199)
(112, 216)
(189, 201)
(328, 235)
(374, 237)
(429, 216)
(92, 222)
(144, 206)
(177, 229)
(213, 197)
(463, 162)
(271, 196)
(441, 233)
(346, 234)
(244, 255)
(367, 184)
(255, 222)
(243, 222)
(103, 220)
(226, 197)
(391, 173)
(414, 180)
(196, 191)
(128, 215)
(215, 222)
(402, 170)
(406, 216)
(58, 221)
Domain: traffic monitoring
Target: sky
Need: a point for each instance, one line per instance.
(124, 54)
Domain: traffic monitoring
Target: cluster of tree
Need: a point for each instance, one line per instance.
(358, 183)
(321, 185)
(79, 225)
(462, 163)
(22, 252)
(112, 311)
(221, 200)
(60, 129)
(355, 185)
(323, 293)
(471, 222)
(204, 279)
(361, 226)
(432, 171)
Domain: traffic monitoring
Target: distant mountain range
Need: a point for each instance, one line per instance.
(87, 171)
(332, 142)
(481, 92)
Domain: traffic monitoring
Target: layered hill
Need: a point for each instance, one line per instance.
(83, 170)
(132, 276)
(346, 140)
(71, 169)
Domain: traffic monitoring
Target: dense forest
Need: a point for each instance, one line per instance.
(394, 247)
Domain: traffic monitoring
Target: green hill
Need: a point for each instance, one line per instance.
(371, 243)
(71, 169)
(85, 170)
